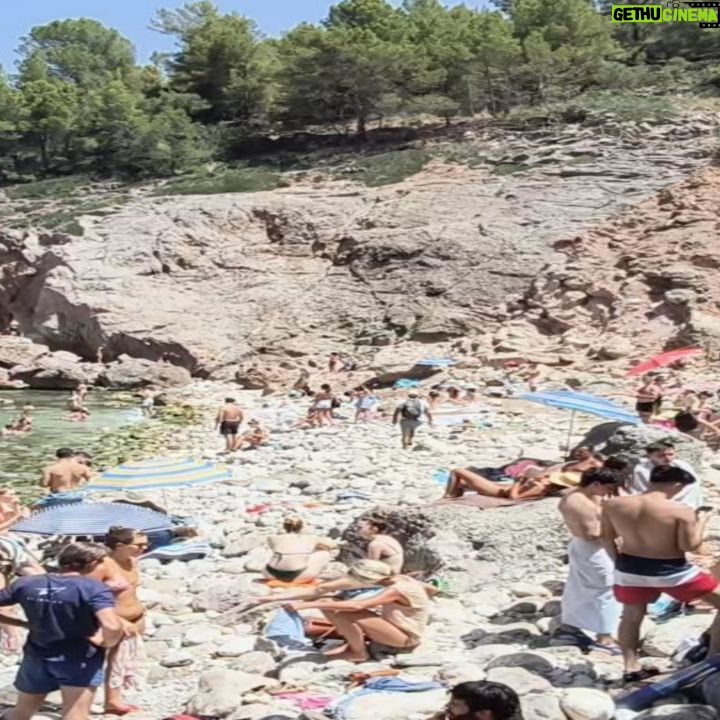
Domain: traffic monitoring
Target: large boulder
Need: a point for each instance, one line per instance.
(19, 351)
(631, 441)
(56, 371)
(220, 691)
(128, 373)
(664, 639)
(587, 704)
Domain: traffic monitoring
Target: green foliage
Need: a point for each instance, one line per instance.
(229, 181)
(80, 103)
(51, 189)
(626, 106)
(386, 168)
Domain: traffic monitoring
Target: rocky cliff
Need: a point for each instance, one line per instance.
(214, 280)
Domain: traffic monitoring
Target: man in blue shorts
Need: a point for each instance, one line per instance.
(71, 620)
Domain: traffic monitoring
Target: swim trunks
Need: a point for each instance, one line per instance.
(229, 427)
(645, 407)
(640, 580)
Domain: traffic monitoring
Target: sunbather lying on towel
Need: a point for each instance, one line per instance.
(534, 482)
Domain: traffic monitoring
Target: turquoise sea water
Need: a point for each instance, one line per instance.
(22, 457)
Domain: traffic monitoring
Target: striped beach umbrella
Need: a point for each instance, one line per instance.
(159, 474)
(91, 519)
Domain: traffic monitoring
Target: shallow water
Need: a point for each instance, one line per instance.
(22, 457)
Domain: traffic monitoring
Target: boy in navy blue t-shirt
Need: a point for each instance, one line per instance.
(71, 620)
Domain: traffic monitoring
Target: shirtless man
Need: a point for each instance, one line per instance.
(120, 571)
(228, 421)
(648, 398)
(647, 537)
(66, 474)
(588, 602)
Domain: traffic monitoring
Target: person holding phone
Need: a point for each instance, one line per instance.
(647, 536)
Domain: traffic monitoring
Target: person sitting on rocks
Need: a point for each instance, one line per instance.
(382, 546)
(695, 426)
(395, 618)
(334, 362)
(298, 557)
(482, 700)
(434, 399)
(533, 483)
(311, 420)
(582, 459)
(256, 436)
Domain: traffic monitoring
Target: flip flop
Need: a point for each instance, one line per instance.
(639, 675)
(613, 650)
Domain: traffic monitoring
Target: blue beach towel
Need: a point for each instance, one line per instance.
(441, 477)
(406, 383)
(182, 550)
(382, 685)
(286, 629)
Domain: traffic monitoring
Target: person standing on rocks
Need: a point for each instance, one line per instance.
(325, 402)
(663, 454)
(120, 571)
(228, 421)
(647, 536)
(71, 620)
(334, 362)
(410, 416)
(648, 398)
(588, 602)
(365, 403)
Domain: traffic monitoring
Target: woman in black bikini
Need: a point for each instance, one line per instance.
(297, 557)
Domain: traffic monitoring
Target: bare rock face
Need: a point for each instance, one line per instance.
(638, 284)
(129, 373)
(56, 371)
(217, 280)
(19, 351)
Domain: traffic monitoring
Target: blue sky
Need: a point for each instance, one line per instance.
(131, 18)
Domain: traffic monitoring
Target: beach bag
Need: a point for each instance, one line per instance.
(335, 403)
(411, 410)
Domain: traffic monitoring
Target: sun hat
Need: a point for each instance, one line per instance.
(370, 570)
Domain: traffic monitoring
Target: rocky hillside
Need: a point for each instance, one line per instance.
(448, 252)
(645, 280)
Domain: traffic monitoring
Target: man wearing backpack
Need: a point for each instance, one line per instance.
(410, 416)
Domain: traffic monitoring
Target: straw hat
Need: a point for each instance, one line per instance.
(371, 570)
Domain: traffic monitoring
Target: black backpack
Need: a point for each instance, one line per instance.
(412, 409)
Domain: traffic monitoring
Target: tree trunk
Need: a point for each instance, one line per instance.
(362, 126)
(44, 153)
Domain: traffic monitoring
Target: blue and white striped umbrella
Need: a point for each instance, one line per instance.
(584, 403)
(91, 519)
(437, 362)
(159, 474)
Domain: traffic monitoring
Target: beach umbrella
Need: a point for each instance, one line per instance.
(91, 519)
(159, 474)
(583, 403)
(437, 362)
(664, 359)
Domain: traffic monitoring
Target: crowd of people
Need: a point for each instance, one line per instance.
(631, 528)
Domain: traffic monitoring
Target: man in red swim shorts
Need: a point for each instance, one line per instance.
(647, 536)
